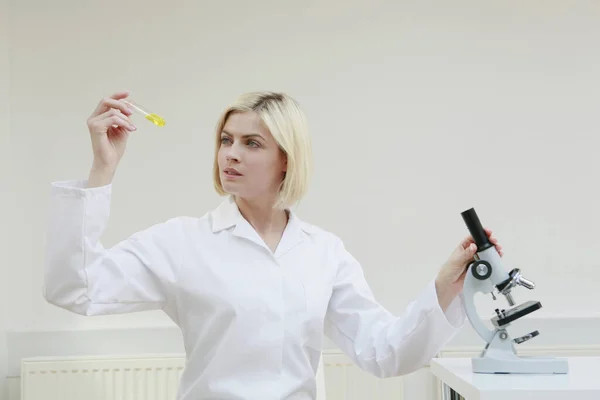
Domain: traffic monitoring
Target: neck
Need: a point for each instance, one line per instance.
(262, 215)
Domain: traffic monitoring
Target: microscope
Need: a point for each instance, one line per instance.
(487, 274)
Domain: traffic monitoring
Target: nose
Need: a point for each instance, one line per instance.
(232, 154)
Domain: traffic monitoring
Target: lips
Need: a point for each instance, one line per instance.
(232, 172)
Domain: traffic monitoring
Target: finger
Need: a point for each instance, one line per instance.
(110, 112)
(120, 132)
(115, 118)
(120, 122)
(472, 247)
(107, 104)
(466, 242)
(112, 102)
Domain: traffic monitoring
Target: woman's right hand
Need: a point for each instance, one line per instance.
(109, 127)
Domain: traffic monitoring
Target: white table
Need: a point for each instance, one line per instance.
(581, 383)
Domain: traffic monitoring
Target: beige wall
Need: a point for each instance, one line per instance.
(418, 111)
(5, 184)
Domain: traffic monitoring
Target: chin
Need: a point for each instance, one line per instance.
(227, 187)
(239, 192)
(233, 189)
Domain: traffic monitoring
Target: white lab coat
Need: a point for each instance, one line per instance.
(252, 320)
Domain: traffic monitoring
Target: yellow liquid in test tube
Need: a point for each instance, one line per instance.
(155, 119)
(152, 117)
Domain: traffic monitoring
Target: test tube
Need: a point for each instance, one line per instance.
(152, 117)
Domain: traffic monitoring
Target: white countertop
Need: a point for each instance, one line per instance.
(581, 383)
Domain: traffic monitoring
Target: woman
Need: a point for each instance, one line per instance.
(251, 285)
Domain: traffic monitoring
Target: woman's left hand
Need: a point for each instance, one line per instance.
(451, 277)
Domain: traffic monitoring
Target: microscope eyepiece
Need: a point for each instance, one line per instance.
(476, 229)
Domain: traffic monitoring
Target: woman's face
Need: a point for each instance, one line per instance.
(251, 164)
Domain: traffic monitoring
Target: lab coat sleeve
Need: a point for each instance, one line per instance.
(377, 341)
(84, 277)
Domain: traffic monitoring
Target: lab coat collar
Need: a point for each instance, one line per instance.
(228, 215)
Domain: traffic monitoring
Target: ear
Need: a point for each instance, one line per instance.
(285, 163)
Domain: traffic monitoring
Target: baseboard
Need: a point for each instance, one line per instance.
(14, 388)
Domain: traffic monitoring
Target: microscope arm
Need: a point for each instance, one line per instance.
(473, 285)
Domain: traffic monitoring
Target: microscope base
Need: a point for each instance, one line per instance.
(500, 357)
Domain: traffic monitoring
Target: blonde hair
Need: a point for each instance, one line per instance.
(287, 123)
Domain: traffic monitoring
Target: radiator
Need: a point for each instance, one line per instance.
(149, 377)
(101, 378)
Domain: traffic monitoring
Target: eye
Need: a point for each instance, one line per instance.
(224, 140)
(253, 143)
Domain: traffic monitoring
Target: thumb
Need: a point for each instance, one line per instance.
(469, 252)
